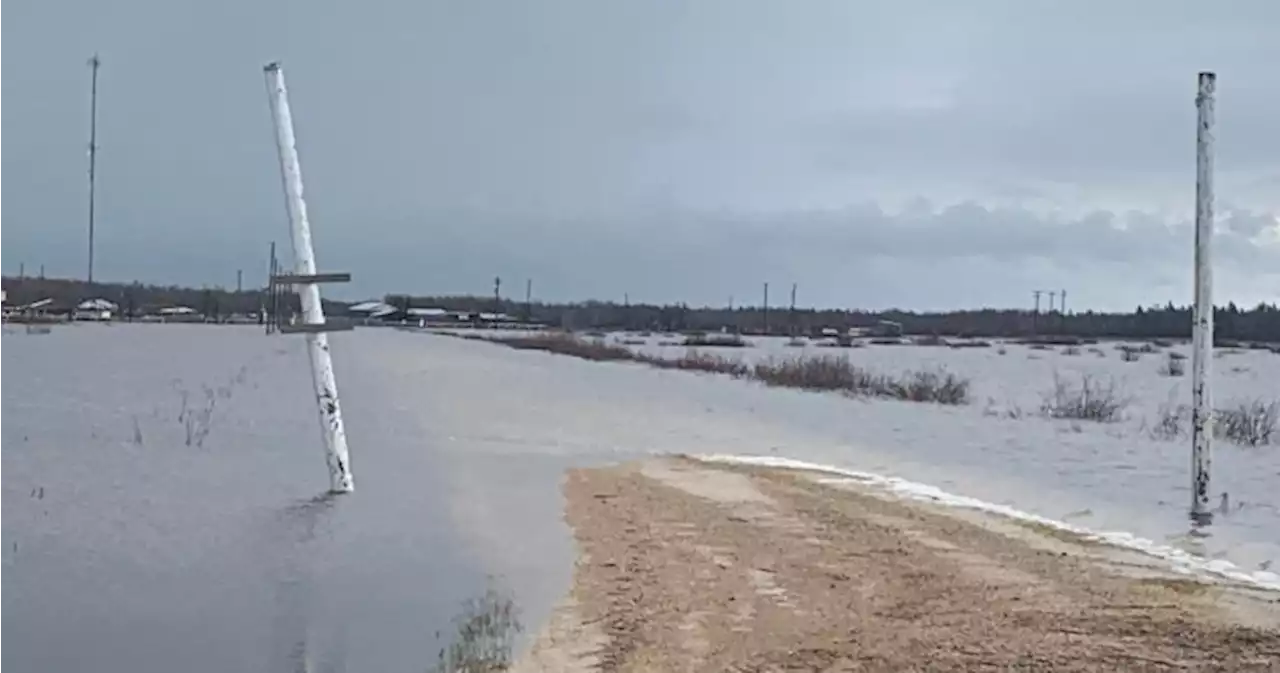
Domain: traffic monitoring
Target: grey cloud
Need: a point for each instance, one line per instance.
(667, 149)
(859, 256)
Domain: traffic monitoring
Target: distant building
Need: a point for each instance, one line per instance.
(428, 314)
(887, 328)
(372, 309)
(95, 309)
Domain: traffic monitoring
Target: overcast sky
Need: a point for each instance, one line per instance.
(914, 154)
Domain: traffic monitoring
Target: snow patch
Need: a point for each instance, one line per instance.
(1178, 559)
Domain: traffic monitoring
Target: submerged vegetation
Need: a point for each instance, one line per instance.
(484, 637)
(818, 373)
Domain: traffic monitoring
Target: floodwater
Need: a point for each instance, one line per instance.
(1101, 476)
(164, 507)
(162, 484)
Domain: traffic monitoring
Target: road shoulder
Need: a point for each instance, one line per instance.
(685, 565)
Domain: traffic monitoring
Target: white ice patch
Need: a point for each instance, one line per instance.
(1178, 559)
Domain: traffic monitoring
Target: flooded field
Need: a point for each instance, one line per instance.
(1127, 475)
(161, 482)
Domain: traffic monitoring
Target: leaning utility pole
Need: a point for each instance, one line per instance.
(1202, 313)
(94, 64)
(307, 280)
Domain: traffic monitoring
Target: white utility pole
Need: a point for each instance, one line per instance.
(1202, 314)
(94, 64)
(306, 280)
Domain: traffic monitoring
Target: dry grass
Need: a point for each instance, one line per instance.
(484, 639)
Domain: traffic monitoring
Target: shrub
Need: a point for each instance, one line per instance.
(1247, 423)
(700, 362)
(836, 373)
(936, 385)
(715, 341)
(1173, 366)
(1171, 419)
(825, 372)
(1250, 423)
(1130, 354)
(1091, 400)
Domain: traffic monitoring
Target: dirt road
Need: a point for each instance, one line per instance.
(688, 566)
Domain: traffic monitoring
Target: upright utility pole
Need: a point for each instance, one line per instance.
(528, 300)
(497, 294)
(1062, 309)
(306, 280)
(765, 315)
(791, 318)
(1035, 315)
(94, 64)
(269, 302)
(1202, 314)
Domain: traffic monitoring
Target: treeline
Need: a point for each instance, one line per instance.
(1260, 323)
(137, 299)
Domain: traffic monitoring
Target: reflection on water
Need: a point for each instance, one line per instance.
(484, 635)
(295, 592)
(128, 547)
